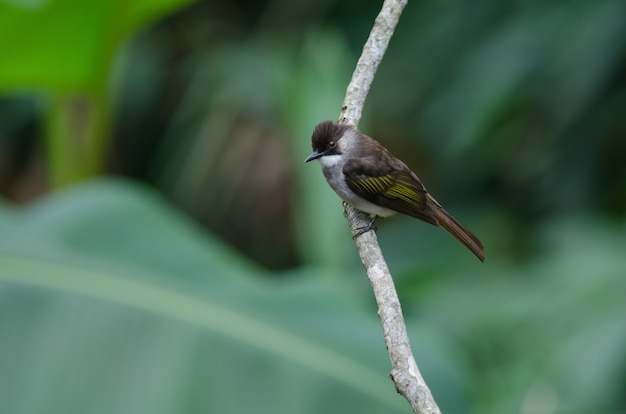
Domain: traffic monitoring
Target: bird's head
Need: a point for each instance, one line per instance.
(327, 139)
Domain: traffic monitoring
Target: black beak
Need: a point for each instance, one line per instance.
(314, 156)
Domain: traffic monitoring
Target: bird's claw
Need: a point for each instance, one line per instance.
(365, 229)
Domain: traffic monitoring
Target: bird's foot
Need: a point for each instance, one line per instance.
(365, 229)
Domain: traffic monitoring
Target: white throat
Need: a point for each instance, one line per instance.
(330, 161)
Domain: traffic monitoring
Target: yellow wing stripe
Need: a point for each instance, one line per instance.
(406, 191)
(375, 185)
(402, 188)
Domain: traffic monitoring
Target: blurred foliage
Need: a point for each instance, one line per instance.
(156, 317)
(510, 112)
(65, 50)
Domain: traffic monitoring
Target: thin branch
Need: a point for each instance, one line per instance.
(404, 372)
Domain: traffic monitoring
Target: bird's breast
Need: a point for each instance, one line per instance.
(332, 167)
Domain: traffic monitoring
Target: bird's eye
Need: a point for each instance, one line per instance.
(332, 144)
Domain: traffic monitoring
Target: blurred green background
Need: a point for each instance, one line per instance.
(164, 249)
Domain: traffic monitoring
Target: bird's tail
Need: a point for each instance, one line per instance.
(458, 230)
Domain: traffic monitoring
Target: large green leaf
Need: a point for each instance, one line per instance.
(111, 302)
(68, 43)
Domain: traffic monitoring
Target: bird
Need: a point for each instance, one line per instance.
(365, 175)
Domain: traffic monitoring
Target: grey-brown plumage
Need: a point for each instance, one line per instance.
(368, 177)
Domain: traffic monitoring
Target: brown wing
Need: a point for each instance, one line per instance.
(389, 183)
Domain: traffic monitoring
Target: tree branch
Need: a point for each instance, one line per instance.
(404, 372)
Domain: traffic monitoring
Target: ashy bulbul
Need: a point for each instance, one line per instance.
(366, 176)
